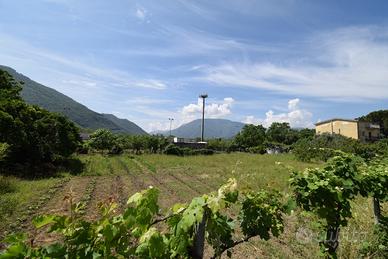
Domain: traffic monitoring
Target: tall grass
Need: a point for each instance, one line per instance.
(7, 184)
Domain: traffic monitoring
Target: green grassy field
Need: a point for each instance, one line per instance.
(179, 180)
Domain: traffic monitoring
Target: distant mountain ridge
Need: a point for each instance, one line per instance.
(214, 128)
(54, 101)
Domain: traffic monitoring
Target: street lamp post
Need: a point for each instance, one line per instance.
(203, 96)
(170, 119)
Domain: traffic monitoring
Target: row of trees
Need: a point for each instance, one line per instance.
(30, 136)
(256, 138)
(104, 140)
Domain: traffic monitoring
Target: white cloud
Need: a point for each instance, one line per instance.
(350, 63)
(80, 82)
(296, 117)
(21, 52)
(141, 13)
(150, 83)
(212, 110)
(251, 120)
(190, 112)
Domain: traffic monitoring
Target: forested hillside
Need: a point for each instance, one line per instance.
(54, 101)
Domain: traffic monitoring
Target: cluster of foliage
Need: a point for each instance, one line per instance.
(223, 145)
(30, 135)
(135, 233)
(328, 191)
(379, 117)
(322, 147)
(256, 139)
(104, 140)
(172, 149)
(375, 184)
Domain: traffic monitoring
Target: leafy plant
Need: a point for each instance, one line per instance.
(327, 192)
(135, 234)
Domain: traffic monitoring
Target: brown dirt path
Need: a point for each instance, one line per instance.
(59, 205)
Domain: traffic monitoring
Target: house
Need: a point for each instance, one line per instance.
(84, 136)
(361, 130)
(190, 143)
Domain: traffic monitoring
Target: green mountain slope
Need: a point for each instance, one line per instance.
(54, 101)
(125, 124)
(214, 128)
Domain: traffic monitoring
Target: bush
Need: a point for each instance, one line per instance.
(203, 151)
(171, 149)
(257, 150)
(187, 151)
(322, 147)
(4, 147)
(83, 148)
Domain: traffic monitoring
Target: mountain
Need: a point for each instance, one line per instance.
(54, 101)
(126, 125)
(214, 128)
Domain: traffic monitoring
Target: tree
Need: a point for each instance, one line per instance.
(250, 136)
(281, 132)
(33, 135)
(102, 139)
(306, 133)
(151, 143)
(380, 117)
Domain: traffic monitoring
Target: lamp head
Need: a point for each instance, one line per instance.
(203, 96)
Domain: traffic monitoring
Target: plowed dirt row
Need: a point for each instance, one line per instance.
(59, 205)
(168, 195)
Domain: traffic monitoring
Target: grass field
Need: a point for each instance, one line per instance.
(179, 180)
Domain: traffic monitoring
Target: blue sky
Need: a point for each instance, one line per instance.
(259, 61)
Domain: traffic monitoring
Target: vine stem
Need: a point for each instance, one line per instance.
(156, 221)
(235, 243)
(377, 210)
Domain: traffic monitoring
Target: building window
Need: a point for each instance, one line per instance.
(363, 133)
(370, 135)
(339, 131)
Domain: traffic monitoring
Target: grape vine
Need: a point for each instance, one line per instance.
(135, 233)
(328, 191)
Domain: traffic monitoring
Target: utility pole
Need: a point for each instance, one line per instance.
(203, 96)
(170, 119)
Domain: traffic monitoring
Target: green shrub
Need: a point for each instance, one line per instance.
(203, 151)
(322, 147)
(4, 147)
(257, 150)
(171, 149)
(187, 151)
